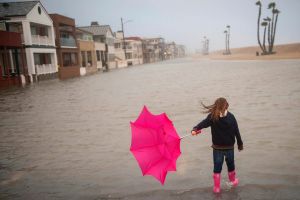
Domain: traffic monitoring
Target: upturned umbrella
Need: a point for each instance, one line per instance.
(155, 144)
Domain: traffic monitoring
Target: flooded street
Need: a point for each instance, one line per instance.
(70, 139)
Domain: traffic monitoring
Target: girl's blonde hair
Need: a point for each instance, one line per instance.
(217, 108)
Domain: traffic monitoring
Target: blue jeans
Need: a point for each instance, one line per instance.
(219, 159)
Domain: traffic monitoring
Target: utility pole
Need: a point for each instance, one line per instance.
(124, 47)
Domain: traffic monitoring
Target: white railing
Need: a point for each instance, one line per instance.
(45, 69)
(41, 40)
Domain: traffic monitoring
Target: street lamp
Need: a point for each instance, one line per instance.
(124, 47)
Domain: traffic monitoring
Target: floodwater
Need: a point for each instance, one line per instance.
(70, 139)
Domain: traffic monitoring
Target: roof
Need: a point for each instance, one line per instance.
(97, 29)
(79, 30)
(133, 38)
(9, 9)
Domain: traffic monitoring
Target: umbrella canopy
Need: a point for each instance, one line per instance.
(155, 144)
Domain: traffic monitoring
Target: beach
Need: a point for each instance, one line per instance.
(70, 139)
(282, 51)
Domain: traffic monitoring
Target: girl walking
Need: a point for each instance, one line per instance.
(224, 130)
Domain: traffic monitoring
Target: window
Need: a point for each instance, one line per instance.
(89, 58)
(2, 66)
(102, 55)
(69, 59)
(117, 45)
(83, 59)
(42, 58)
(128, 55)
(2, 26)
(39, 30)
(98, 55)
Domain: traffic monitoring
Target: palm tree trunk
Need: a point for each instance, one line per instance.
(228, 43)
(264, 40)
(269, 35)
(258, 24)
(273, 39)
(272, 33)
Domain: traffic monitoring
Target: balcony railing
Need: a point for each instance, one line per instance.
(41, 40)
(68, 42)
(45, 69)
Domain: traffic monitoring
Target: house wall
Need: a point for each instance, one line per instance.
(87, 46)
(100, 47)
(43, 18)
(65, 72)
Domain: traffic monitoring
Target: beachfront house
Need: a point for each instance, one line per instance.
(103, 34)
(31, 20)
(13, 69)
(134, 51)
(87, 56)
(180, 51)
(170, 51)
(153, 49)
(119, 50)
(66, 46)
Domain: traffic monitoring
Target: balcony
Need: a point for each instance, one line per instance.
(45, 69)
(68, 42)
(41, 40)
(10, 39)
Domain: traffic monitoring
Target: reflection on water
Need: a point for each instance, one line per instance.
(70, 139)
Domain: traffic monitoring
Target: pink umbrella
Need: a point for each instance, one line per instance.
(155, 144)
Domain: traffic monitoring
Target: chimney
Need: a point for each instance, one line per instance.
(94, 23)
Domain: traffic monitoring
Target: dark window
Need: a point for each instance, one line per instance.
(42, 58)
(89, 58)
(69, 59)
(98, 55)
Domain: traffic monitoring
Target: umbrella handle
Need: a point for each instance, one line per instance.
(199, 131)
(185, 136)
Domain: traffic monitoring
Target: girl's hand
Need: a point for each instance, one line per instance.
(240, 148)
(195, 132)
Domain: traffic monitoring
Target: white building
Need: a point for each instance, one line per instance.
(134, 51)
(119, 50)
(31, 19)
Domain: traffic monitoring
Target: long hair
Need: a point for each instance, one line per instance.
(217, 108)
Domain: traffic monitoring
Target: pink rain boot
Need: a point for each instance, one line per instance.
(233, 181)
(217, 182)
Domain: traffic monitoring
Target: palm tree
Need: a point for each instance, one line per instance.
(268, 19)
(258, 3)
(228, 38)
(272, 6)
(264, 24)
(226, 49)
(276, 12)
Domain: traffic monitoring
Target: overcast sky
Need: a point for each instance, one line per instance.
(184, 21)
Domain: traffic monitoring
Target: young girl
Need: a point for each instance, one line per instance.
(224, 130)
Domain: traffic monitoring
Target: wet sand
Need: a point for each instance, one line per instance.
(283, 51)
(70, 139)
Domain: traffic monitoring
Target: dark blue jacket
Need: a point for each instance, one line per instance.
(223, 131)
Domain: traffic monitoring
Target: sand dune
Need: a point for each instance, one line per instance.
(283, 51)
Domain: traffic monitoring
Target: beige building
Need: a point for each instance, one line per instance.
(153, 49)
(103, 34)
(134, 51)
(87, 55)
(100, 55)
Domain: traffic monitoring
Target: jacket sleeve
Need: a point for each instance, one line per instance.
(203, 124)
(237, 134)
